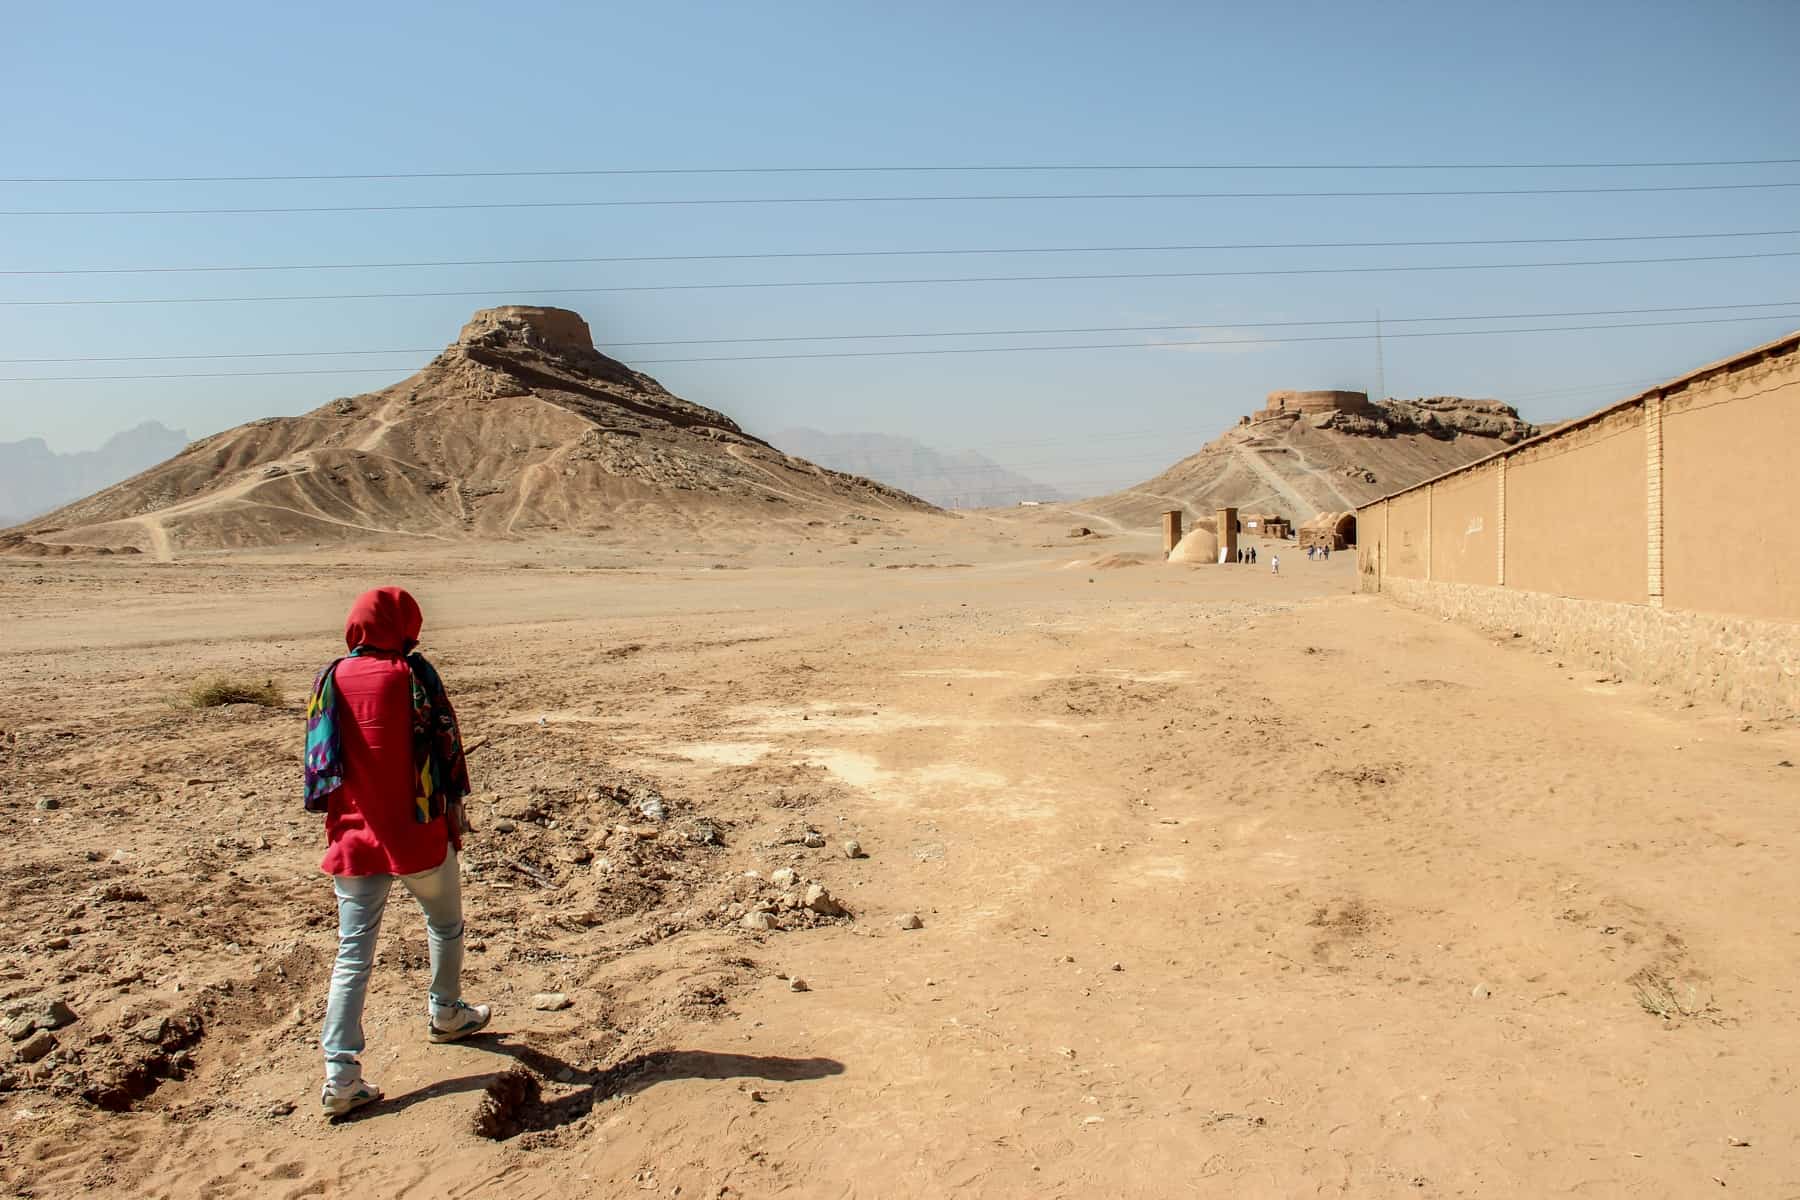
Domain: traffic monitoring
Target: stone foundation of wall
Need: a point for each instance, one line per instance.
(1745, 663)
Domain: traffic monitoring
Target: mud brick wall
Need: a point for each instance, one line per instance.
(1739, 661)
(1658, 538)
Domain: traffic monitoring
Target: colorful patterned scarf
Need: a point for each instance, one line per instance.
(440, 769)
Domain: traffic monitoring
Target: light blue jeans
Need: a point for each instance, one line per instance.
(361, 901)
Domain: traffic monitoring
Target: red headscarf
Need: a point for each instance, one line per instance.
(387, 618)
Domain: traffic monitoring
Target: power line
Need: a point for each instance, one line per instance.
(1341, 337)
(946, 333)
(956, 351)
(1006, 197)
(952, 279)
(899, 169)
(948, 252)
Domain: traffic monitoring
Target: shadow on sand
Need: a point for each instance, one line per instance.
(513, 1102)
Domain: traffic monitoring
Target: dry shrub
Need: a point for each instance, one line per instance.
(214, 690)
(1661, 996)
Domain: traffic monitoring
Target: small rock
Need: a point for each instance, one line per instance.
(477, 945)
(822, 901)
(35, 1047)
(1738, 1142)
(151, 1029)
(757, 921)
(797, 984)
(1066, 1052)
(757, 1096)
(262, 843)
(580, 854)
(281, 1108)
(21, 1027)
(550, 1001)
(504, 826)
(853, 849)
(58, 942)
(784, 877)
(814, 839)
(1480, 992)
(49, 803)
(56, 1014)
(1118, 966)
(909, 921)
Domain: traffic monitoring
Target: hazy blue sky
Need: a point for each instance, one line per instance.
(117, 89)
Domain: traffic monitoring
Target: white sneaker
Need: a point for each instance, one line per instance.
(458, 1021)
(337, 1099)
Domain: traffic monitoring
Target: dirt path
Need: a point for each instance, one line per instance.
(1302, 507)
(1231, 885)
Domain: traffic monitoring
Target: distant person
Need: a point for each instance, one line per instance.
(384, 763)
(1253, 556)
(1275, 565)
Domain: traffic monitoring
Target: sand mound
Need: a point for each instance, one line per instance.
(15, 545)
(1199, 546)
(1114, 562)
(1307, 452)
(519, 427)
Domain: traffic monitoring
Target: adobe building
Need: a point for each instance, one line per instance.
(1329, 531)
(1288, 405)
(1618, 538)
(1265, 525)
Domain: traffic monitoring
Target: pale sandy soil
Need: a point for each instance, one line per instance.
(1232, 885)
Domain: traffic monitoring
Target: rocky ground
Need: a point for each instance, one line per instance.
(1016, 876)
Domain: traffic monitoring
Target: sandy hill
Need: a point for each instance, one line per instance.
(1310, 452)
(951, 478)
(519, 427)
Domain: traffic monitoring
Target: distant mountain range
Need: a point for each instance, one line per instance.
(947, 478)
(35, 479)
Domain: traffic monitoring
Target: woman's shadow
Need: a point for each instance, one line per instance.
(514, 1101)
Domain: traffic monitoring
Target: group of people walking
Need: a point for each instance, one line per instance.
(1320, 553)
(1246, 554)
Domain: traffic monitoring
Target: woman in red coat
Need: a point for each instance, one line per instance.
(384, 763)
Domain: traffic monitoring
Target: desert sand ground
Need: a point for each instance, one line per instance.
(1231, 885)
